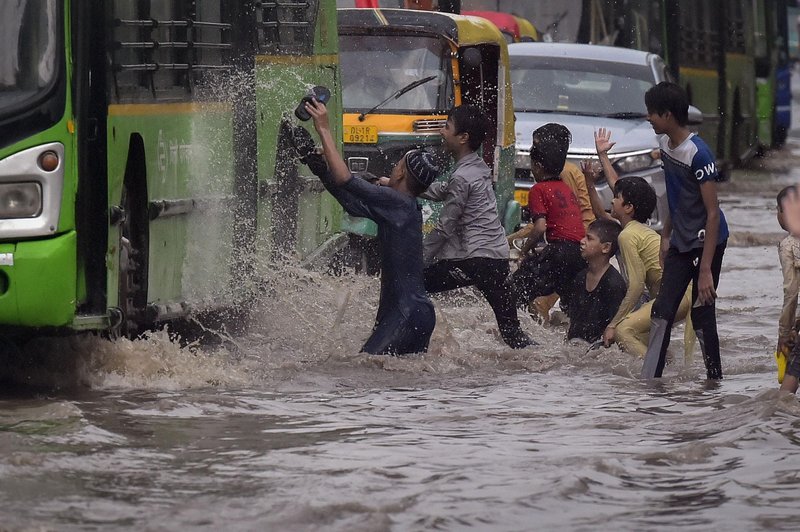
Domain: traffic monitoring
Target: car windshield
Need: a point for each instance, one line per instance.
(564, 85)
(28, 31)
(376, 66)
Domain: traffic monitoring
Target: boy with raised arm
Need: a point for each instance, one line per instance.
(694, 236)
(405, 318)
(639, 245)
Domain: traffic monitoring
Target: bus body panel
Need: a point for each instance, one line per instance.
(40, 286)
(160, 103)
(185, 159)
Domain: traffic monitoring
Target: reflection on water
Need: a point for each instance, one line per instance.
(288, 427)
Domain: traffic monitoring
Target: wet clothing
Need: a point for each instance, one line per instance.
(789, 255)
(576, 181)
(686, 168)
(468, 245)
(679, 270)
(591, 312)
(793, 363)
(489, 277)
(554, 201)
(468, 224)
(405, 318)
(551, 270)
(639, 247)
(633, 332)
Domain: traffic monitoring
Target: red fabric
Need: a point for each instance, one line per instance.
(556, 203)
(367, 3)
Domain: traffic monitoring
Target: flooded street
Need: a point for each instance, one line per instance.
(287, 428)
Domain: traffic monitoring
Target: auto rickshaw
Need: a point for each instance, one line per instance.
(402, 70)
(527, 31)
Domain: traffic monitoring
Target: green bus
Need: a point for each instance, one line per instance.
(718, 50)
(146, 167)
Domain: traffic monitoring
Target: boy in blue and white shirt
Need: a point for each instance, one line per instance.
(695, 235)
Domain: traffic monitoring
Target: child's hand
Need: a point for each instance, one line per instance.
(608, 336)
(319, 113)
(591, 170)
(602, 141)
(705, 288)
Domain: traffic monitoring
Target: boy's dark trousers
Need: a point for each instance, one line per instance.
(679, 270)
(489, 277)
(552, 270)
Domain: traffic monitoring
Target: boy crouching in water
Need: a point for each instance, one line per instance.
(599, 289)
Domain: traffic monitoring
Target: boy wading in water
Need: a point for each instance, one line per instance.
(695, 235)
(405, 318)
(468, 246)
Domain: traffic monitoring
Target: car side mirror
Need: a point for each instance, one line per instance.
(695, 116)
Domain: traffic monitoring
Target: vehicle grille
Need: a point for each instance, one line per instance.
(422, 126)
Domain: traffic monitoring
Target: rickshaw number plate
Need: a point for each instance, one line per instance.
(361, 134)
(521, 196)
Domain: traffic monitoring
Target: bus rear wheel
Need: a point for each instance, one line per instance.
(132, 269)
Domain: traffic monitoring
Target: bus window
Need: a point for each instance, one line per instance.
(286, 29)
(28, 61)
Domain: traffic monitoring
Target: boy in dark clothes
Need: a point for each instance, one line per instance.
(599, 289)
(405, 318)
(694, 236)
(556, 213)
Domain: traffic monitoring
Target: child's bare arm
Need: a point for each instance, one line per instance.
(539, 228)
(706, 294)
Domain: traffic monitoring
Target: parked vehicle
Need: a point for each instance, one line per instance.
(402, 71)
(586, 87)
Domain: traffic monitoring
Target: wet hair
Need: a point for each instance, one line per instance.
(549, 147)
(471, 120)
(638, 193)
(607, 232)
(782, 194)
(668, 96)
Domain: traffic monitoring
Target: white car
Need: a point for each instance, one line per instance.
(586, 87)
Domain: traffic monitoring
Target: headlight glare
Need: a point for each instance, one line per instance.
(20, 200)
(634, 163)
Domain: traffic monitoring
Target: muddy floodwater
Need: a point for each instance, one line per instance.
(286, 427)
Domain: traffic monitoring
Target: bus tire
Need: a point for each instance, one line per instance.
(133, 249)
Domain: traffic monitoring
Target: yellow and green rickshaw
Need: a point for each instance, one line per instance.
(402, 70)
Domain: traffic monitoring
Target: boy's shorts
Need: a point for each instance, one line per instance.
(793, 365)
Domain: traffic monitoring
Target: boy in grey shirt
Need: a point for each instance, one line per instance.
(468, 246)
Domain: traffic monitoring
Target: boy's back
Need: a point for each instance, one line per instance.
(554, 201)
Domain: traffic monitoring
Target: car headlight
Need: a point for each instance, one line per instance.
(20, 200)
(522, 159)
(634, 163)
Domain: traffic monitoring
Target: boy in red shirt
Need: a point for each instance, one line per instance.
(555, 214)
